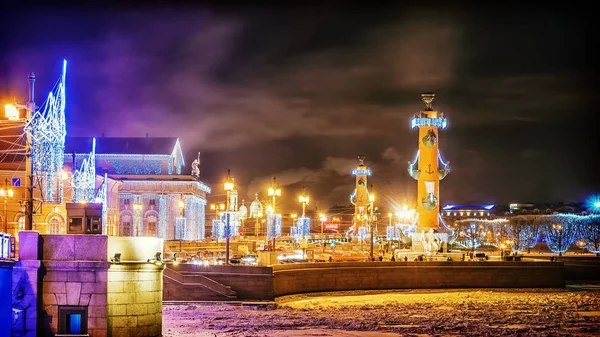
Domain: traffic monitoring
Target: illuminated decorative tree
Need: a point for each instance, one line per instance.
(559, 231)
(522, 233)
(470, 233)
(589, 232)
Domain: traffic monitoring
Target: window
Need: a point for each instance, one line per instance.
(55, 226)
(72, 320)
(93, 226)
(151, 228)
(126, 201)
(125, 228)
(21, 223)
(152, 202)
(75, 225)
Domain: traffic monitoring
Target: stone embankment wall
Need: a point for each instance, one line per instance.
(319, 277)
(266, 283)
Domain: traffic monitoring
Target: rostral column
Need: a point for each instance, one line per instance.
(431, 167)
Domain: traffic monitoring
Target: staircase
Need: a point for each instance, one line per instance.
(193, 281)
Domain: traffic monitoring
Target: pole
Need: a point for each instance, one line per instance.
(28, 162)
(227, 219)
(372, 234)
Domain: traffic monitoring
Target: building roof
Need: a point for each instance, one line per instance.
(122, 145)
(465, 207)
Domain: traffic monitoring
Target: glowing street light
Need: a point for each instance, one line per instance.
(303, 199)
(323, 218)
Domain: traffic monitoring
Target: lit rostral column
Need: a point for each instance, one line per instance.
(360, 197)
(431, 167)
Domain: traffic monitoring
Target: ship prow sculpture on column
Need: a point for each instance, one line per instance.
(428, 168)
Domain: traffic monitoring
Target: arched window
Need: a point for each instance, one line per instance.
(151, 226)
(55, 225)
(125, 226)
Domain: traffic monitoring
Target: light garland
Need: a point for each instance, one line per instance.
(124, 166)
(590, 233)
(230, 230)
(559, 231)
(84, 179)
(440, 123)
(47, 129)
(102, 197)
(412, 171)
(303, 227)
(470, 234)
(273, 226)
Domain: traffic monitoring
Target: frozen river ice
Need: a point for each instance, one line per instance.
(474, 312)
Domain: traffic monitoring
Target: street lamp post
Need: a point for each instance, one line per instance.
(273, 191)
(181, 205)
(303, 199)
(371, 201)
(294, 216)
(137, 207)
(12, 113)
(323, 218)
(6, 193)
(228, 186)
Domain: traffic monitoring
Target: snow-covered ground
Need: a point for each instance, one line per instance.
(460, 312)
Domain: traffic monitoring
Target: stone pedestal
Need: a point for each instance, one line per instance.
(61, 273)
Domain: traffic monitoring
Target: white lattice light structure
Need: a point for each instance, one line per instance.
(84, 178)
(47, 129)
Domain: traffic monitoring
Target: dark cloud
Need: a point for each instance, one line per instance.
(298, 94)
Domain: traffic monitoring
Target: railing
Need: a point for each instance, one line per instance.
(197, 279)
(7, 246)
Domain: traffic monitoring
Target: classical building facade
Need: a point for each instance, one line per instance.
(145, 192)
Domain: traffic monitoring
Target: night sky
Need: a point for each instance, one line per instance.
(299, 92)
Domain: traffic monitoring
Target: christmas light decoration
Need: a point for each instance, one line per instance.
(303, 227)
(102, 197)
(470, 234)
(589, 232)
(559, 231)
(273, 226)
(230, 224)
(47, 129)
(362, 233)
(521, 233)
(217, 229)
(84, 178)
(136, 167)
